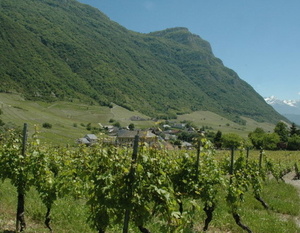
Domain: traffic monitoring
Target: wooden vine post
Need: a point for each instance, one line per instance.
(260, 158)
(231, 163)
(131, 179)
(258, 197)
(198, 156)
(247, 154)
(20, 219)
(235, 215)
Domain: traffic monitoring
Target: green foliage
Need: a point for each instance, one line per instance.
(282, 138)
(89, 126)
(117, 124)
(257, 138)
(47, 125)
(161, 181)
(293, 142)
(52, 50)
(282, 130)
(187, 136)
(231, 140)
(270, 141)
(218, 139)
(131, 126)
(294, 130)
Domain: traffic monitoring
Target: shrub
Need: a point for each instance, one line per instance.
(47, 125)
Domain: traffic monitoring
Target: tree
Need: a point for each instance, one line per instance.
(210, 135)
(294, 142)
(257, 138)
(270, 141)
(231, 140)
(187, 136)
(47, 125)
(247, 143)
(293, 129)
(131, 126)
(177, 143)
(217, 139)
(89, 126)
(117, 124)
(282, 130)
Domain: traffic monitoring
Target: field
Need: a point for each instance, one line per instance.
(63, 116)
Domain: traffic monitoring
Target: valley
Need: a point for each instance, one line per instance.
(69, 119)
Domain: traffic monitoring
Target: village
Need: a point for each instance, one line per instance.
(169, 136)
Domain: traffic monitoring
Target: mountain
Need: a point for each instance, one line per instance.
(64, 50)
(288, 108)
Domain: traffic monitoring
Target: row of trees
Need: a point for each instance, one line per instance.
(283, 137)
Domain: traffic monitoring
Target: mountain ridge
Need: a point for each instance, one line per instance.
(72, 50)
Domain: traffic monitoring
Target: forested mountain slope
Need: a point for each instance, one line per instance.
(62, 49)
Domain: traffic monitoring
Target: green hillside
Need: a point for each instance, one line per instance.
(69, 119)
(53, 50)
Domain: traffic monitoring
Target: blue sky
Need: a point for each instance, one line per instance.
(259, 39)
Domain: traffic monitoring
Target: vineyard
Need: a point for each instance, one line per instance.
(148, 189)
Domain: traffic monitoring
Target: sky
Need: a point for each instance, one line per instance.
(258, 39)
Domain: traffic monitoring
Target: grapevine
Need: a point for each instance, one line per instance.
(122, 185)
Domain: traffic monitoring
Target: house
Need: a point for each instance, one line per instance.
(126, 137)
(88, 139)
(83, 141)
(111, 130)
(170, 137)
(92, 138)
(179, 126)
(186, 145)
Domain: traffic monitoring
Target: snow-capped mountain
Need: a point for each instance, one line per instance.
(288, 108)
(274, 101)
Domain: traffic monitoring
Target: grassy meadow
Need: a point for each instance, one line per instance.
(68, 119)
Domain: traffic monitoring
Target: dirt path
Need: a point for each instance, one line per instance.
(289, 179)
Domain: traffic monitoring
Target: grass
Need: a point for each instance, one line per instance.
(217, 122)
(68, 215)
(63, 116)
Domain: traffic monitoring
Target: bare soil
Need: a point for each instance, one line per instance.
(289, 179)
